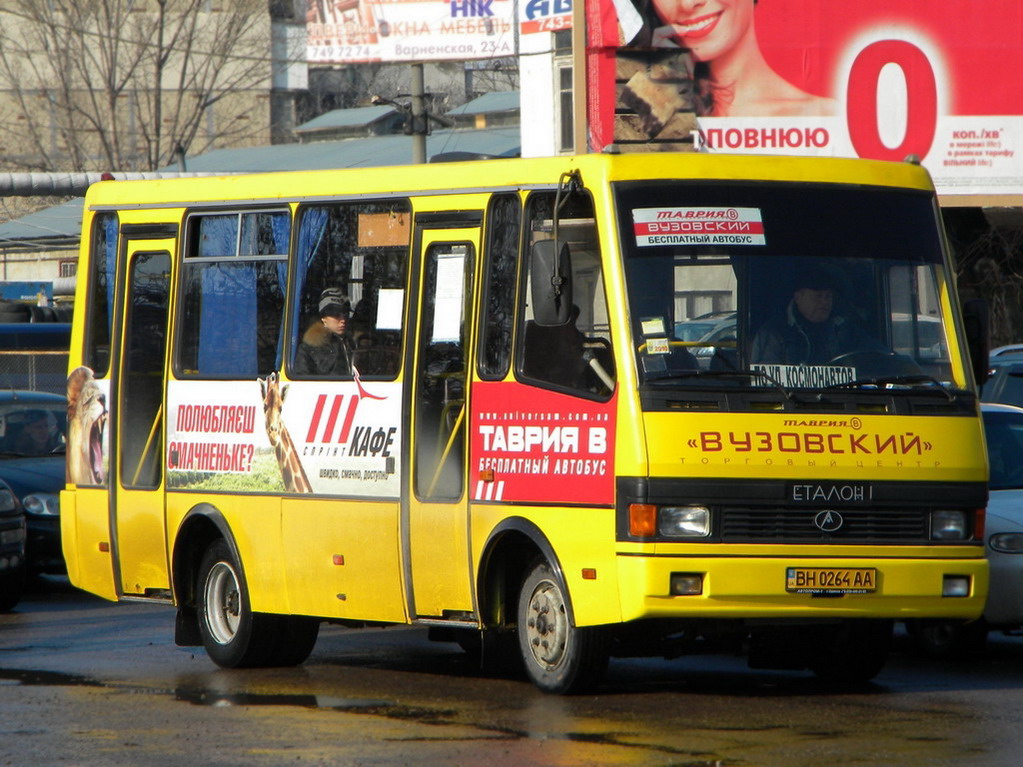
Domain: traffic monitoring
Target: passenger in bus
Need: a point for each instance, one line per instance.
(325, 348)
(810, 332)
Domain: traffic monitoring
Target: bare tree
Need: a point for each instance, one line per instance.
(447, 83)
(126, 84)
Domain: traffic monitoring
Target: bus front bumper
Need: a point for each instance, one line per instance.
(748, 587)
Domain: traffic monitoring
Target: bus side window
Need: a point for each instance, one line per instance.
(502, 244)
(102, 265)
(360, 249)
(577, 355)
(233, 281)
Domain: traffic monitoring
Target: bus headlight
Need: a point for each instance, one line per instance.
(948, 526)
(42, 504)
(684, 521)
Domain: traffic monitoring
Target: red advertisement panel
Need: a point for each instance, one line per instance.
(533, 445)
(939, 79)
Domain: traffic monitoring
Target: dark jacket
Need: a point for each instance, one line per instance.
(794, 341)
(323, 353)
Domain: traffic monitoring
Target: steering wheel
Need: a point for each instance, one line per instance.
(869, 362)
(857, 357)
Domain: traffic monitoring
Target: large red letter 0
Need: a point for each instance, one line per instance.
(921, 95)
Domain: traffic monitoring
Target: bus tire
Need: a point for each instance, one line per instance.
(234, 636)
(558, 657)
(296, 637)
(854, 652)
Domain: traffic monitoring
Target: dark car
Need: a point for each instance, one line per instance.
(12, 549)
(1005, 376)
(1003, 530)
(32, 464)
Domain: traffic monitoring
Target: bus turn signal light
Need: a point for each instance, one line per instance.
(642, 520)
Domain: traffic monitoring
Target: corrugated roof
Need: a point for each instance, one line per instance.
(500, 101)
(53, 228)
(346, 118)
(358, 152)
(60, 226)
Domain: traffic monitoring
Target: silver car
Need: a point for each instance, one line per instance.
(1003, 430)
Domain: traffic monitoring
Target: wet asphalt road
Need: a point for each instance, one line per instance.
(86, 682)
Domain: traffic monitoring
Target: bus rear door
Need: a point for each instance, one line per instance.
(138, 510)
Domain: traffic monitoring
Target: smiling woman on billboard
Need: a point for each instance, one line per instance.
(732, 76)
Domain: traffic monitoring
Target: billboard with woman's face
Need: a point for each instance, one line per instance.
(939, 79)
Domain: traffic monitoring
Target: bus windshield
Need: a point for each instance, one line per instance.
(768, 284)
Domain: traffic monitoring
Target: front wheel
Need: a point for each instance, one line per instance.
(559, 657)
(234, 636)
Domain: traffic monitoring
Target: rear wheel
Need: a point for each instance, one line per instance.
(558, 656)
(296, 637)
(234, 636)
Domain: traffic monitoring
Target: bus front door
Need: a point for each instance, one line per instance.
(137, 515)
(435, 520)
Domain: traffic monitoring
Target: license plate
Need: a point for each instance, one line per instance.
(831, 580)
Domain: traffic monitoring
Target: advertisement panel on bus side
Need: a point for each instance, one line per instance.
(530, 444)
(269, 436)
(881, 79)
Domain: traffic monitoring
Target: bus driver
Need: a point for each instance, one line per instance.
(809, 333)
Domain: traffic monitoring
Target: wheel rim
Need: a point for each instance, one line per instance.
(223, 603)
(547, 626)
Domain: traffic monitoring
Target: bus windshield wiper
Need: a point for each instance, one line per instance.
(672, 376)
(905, 379)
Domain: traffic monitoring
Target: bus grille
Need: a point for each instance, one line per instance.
(797, 526)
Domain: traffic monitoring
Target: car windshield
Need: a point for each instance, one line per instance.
(759, 284)
(1003, 431)
(32, 428)
(1005, 382)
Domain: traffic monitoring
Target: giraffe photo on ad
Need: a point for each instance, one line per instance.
(292, 473)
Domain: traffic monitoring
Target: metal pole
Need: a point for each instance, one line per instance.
(73, 184)
(580, 80)
(418, 115)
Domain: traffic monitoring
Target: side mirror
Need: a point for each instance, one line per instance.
(550, 272)
(976, 323)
